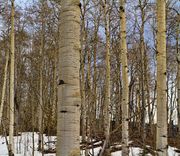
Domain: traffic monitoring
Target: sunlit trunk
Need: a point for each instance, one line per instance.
(125, 81)
(4, 87)
(69, 101)
(161, 136)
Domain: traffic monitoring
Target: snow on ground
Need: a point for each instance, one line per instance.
(134, 151)
(23, 147)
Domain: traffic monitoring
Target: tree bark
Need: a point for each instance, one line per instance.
(125, 83)
(4, 87)
(161, 136)
(69, 101)
(12, 71)
(40, 119)
(142, 85)
(178, 76)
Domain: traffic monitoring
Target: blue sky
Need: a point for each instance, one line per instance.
(24, 3)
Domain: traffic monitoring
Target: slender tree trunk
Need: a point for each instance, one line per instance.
(179, 95)
(178, 76)
(12, 71)
(54, 89)
(95, 73)
(142, 53)
(89, 102)
(83, 48)
(125, 94)
(105, 149)
(41, 105)
(40, 120)
(161, 136)
(68, 126)
(4, 87)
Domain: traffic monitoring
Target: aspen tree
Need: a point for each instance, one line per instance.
(107, 80)
(178, 93)
(125, 83)
(83, 101)
(68, 126)
(178, 75)
(161, 136)
(4, 87)
(142, 4)
(96, 28)
(12, 64)
(40, 119)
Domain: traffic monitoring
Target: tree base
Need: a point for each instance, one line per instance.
(107, 152)
(75, 152)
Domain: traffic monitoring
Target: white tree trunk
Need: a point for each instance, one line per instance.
(161, 136)
(178, 76)
(4, 87)
(41, 105)
(68, 126)
(11, 111)
(105, 149)
(178, 81)
(125, 82)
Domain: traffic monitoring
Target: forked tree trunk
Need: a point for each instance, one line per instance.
(4, 87)
(69, 101)
(11, 111)
(161, 136)
(125, 82)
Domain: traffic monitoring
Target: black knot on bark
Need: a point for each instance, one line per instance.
(77, 105)
(80, 5)
(121, 8)
(63, 111)
(61, 82)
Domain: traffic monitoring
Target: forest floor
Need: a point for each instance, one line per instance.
(24, 146)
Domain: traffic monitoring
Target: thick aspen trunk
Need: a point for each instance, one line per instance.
(12, 71)
(161, 136)
(68, 126)
(125, 83)
(4, 87)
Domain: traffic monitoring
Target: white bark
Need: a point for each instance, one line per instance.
(161, 136)
(68, 126)
(11, 111)
(178, 76)
(125, 83)
(4, 87)
(40, 119)
(105, 149)
(179, 94)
